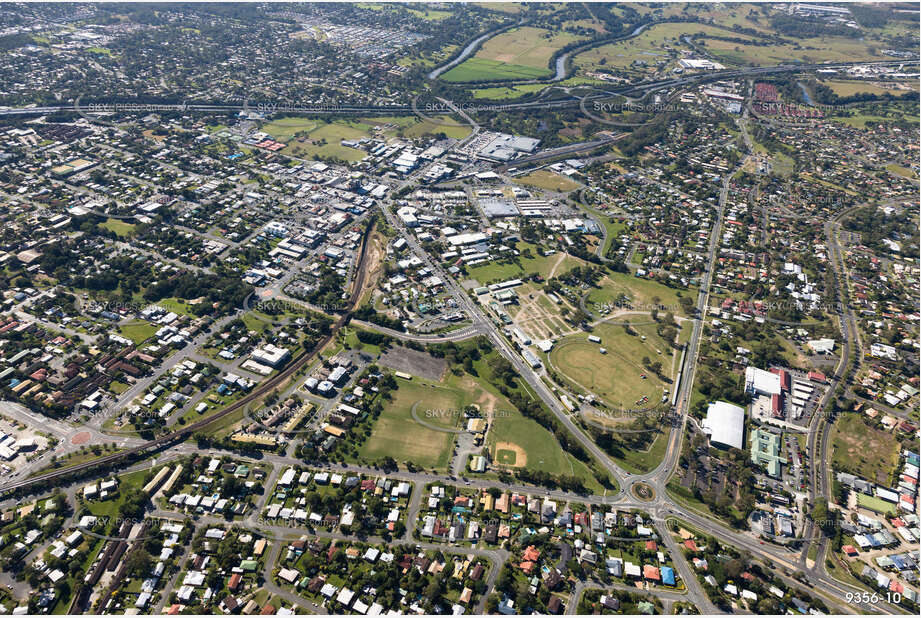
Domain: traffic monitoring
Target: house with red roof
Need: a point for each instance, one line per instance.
(531, 553)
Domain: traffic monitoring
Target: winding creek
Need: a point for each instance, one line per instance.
(561, 60)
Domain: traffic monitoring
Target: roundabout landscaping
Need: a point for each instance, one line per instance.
(643, 491)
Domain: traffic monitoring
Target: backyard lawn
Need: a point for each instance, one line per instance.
(138, 331)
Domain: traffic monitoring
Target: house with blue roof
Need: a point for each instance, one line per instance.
(668, 575)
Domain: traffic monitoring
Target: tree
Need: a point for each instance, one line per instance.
(139, 563)
(824, 518)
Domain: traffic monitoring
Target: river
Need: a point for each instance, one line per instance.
(806, 97)
(473, 45)
(561, 59)
(465, 53)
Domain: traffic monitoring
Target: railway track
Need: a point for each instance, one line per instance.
(297, 363)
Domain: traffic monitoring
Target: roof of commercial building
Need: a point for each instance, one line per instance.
(761, 381)
(497, 207)
(725, 423)
(766, 450)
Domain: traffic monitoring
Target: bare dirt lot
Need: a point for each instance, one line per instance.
(414, 362)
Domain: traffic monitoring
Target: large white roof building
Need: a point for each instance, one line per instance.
(725, 424)
(761, 382)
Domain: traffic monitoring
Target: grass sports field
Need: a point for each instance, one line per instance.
(138, 330)
(122, 228)
(551, 181)
(522, 53)
(618, 376)
(513, 440)
(516, 441)
(875, 504)
(902, 171)
(396, 434)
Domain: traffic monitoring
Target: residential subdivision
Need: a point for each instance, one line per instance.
(459, 308)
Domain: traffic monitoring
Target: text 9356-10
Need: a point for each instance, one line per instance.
(872, 597)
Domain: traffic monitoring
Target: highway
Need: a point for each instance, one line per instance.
(662, 507)
(819, 428)
(628, 90)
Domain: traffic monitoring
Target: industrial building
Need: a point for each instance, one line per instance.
(506, 147)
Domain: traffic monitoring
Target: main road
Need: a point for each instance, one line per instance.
(629, 90)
